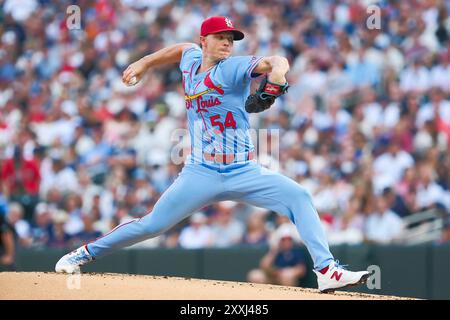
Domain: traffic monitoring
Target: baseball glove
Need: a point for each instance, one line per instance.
(265, 96)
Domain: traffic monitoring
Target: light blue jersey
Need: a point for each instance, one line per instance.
(215, 100)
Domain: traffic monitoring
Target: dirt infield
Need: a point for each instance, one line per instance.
(48, 285)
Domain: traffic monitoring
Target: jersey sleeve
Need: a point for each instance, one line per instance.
(237, 71)
(189, 56)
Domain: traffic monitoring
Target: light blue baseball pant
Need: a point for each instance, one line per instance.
(201, 184)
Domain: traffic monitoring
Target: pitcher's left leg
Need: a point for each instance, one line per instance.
(263, 188)
(276, 192)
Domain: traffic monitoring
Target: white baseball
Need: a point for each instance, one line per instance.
(132, 81)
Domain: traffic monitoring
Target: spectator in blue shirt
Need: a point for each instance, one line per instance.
(282, 265)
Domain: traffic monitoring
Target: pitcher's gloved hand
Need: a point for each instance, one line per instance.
(265, 96)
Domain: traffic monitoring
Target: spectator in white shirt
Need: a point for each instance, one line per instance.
(197, 234)
(312, 80)
(21, 226)
(388, 168)
(20, 10)
(429, 193)
(338, 82)
(391, 110)
(415, 78)
(334, 117)
(382, 225)
(75, 223)
(228, 231)
(437, 105)
(348, 228)
(59, 176)
(440, 74)
(372, 109)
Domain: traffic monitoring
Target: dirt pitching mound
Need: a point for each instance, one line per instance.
(90, 286)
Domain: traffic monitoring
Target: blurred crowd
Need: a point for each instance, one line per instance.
(365, 127)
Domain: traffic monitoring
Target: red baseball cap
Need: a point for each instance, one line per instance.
(218, 24)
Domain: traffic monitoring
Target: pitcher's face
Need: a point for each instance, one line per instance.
(218, 46)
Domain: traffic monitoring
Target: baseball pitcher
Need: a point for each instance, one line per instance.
(221, 165)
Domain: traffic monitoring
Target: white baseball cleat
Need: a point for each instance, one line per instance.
(336, 277)
(71, 262)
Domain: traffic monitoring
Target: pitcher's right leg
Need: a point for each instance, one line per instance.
(195, 187)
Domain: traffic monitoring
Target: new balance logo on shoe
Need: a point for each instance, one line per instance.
(336, 275)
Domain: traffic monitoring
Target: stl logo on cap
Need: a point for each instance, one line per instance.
(229, 23)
